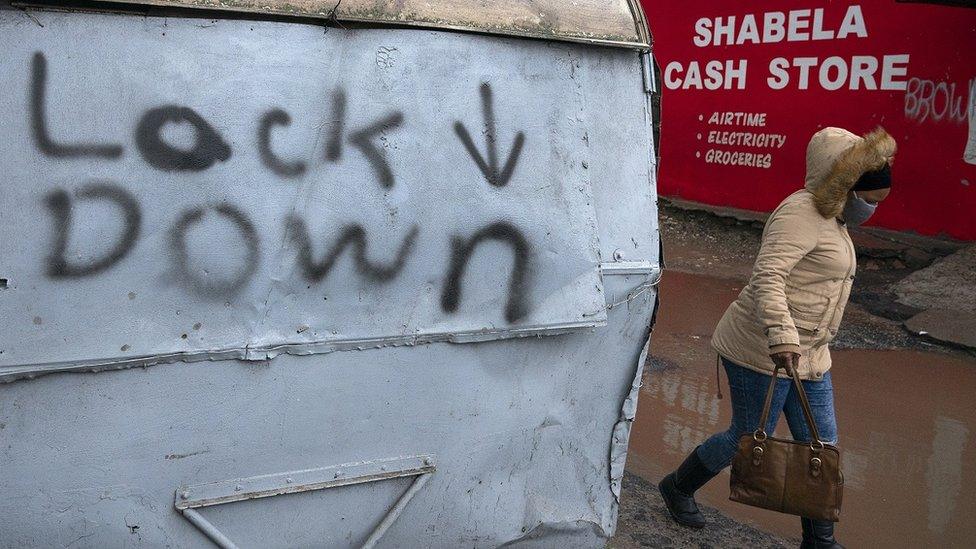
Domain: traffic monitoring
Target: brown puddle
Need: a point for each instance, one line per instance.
(905, 418)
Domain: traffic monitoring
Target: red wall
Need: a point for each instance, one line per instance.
(926, 99)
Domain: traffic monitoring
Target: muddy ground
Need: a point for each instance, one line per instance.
(703, 246)
(640, 525)
(723, 244)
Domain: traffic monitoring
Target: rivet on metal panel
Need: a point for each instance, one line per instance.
(184, 495)
(289, 480)
(238, 488)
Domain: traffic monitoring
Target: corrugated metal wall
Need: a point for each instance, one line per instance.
(329, 242)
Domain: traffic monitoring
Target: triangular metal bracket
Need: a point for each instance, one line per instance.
(193, 497)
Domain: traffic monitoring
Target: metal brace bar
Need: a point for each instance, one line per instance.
(190, 498)
(623, 268)
(395, 511)
(208, 529)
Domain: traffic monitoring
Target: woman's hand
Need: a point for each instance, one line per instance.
(785, 359)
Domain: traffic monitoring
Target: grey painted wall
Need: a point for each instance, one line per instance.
(173, 190)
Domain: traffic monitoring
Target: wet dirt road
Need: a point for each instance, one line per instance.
(906, 420)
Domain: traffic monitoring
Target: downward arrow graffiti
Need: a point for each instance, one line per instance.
(490, 167)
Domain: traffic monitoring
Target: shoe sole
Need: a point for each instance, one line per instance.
(667, 505)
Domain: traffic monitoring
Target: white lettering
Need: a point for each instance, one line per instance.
(773, 30)
(893, 66)
(738, 74)
(924, 97)
(730, 158)
(832, 84)
(693, 79)
(703, 32)
(748, 31)
(747, 139)
(724, 31)
(669, 80)
(798, 25)
(778, 77)
(713, 75)
(853, 23)
(798, 22)
(804, 64)
(818, 31)
(863, 68)
(730, 118)
(969, 154)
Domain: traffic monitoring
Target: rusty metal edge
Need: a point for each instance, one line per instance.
(641, 24)
(641, 28)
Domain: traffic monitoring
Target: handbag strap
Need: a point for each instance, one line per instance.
(764, 418)
(804, 403)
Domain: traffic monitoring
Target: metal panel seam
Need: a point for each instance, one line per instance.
(247, 352)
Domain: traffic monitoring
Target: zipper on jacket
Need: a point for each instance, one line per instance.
(850, 273)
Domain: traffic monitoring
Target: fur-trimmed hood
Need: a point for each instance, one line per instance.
(836, 159)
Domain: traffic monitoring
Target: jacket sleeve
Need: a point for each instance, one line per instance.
(791, 233)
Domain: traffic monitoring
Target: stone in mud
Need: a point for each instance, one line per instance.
(949, 284)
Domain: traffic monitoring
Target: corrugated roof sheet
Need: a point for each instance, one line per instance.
(608, 22)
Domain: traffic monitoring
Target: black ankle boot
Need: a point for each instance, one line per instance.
(818, 534)
(678, 490)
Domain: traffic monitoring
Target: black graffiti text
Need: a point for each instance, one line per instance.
(462, 249)
(38, 121)
(352, 235)
(60, 204)
(489, 168)
(209, 148)
(200, 280)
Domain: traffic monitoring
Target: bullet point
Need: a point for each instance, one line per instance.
(699, 136)
(697, 154)
(701, 117)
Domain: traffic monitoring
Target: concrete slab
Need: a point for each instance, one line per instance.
(872, 239)
(956, 327)
(933, 244)
(721, 211)
(949, 284)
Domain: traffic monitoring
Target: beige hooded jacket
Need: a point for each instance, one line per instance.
(803, 274)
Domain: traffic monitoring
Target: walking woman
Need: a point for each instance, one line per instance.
(790, 311)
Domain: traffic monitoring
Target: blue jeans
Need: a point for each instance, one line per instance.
(748, 394)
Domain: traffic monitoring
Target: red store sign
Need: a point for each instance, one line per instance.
(745, 85)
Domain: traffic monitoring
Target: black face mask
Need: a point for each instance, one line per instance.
(877, 179)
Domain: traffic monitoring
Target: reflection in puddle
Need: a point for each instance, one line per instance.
(905, 419)
(944, 475)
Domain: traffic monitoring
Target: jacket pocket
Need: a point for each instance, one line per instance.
(808, 309)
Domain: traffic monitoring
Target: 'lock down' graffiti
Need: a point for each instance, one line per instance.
(181, 203)
(316, 256)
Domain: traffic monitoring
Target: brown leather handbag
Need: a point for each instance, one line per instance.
(799, 478)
